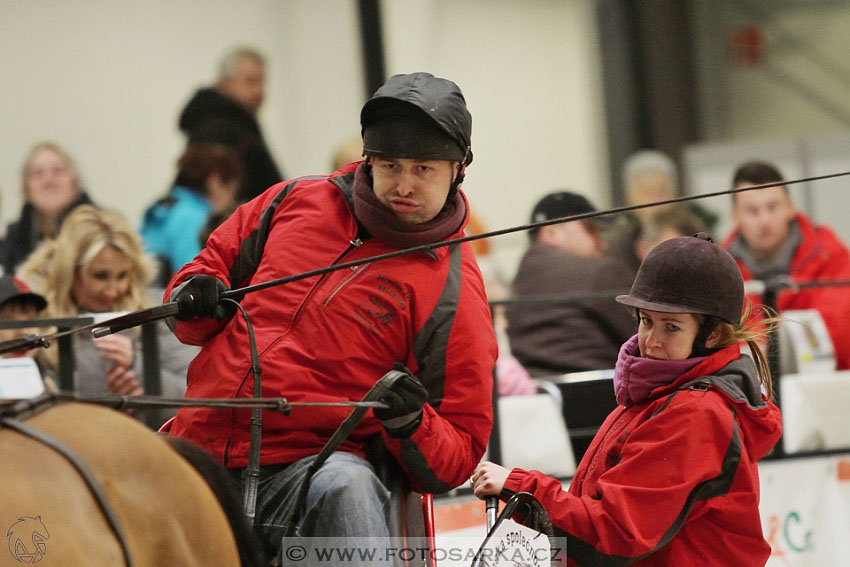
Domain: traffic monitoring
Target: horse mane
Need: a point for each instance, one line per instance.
(227, 493)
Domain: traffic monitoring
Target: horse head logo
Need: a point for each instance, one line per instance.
(28, 539)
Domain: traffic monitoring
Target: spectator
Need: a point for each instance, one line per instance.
(649, 176)
(773, 240)
(677, 220)
(566, 259)
(96, 265)
(227, 114)
(19, 303)
(671, 478)
(331, 338)
(207, 179)
(52, 188)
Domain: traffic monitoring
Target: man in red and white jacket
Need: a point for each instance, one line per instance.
(329, 338)
(772, 239)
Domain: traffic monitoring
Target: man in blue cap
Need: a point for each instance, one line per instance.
(330, 338)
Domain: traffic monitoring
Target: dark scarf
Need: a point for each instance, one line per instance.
(383, 223)
(635, 377)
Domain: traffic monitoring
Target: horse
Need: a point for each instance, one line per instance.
(82, 484)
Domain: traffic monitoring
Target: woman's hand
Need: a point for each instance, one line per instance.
(123, 382)
(117, 349)
(488, 479)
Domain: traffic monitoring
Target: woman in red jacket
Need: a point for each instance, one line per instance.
(671, 478)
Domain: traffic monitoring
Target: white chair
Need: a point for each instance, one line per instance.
(533, 433)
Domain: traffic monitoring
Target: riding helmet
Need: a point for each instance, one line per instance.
(417, 116)
(689, 274)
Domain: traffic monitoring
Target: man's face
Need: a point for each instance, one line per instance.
(577, 238)
(17, 311)
(247, 84)
(415, 190)
(763, 217)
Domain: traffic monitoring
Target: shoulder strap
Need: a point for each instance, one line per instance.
(251, 249)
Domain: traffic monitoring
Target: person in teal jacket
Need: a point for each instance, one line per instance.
(207, 180)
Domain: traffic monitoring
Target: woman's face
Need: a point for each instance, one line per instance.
(50, 183)
(102, 282)
(666, 336)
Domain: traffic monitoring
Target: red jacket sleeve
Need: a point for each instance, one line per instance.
(638, 501)
(444, 450)
(216, 259)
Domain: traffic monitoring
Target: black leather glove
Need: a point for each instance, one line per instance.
(405, 398)
(200, 297)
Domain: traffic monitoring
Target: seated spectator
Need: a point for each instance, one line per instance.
(208, 177)
(566, 259)
(772, 239)
(675, 221)
(649, 176)
(19, 303)
(52, 188)
(96, 264)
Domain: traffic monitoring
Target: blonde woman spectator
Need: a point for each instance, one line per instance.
(95, 265)
(51, 188)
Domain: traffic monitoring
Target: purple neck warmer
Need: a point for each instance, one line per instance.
(635, 377)
(382, 222)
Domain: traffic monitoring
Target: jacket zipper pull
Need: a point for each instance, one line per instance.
(356, 242)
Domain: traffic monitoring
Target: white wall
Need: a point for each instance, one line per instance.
(107, 78)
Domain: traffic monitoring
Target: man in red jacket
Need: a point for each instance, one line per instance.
(773, 240)
(329, 338)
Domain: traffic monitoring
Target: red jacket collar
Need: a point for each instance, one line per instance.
(707, 367)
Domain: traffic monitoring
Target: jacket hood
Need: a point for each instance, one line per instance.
(761, 421)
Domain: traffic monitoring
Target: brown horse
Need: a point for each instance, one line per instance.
(84, 485)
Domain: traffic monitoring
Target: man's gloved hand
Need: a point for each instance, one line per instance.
(200, 297)
(405, 398)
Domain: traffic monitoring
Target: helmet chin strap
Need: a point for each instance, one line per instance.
(457, 181)
(460, 174)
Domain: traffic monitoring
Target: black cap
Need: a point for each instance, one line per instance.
(561, 204)
(417, 115)
(13, 289)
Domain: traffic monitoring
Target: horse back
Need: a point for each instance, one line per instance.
(166, 511)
